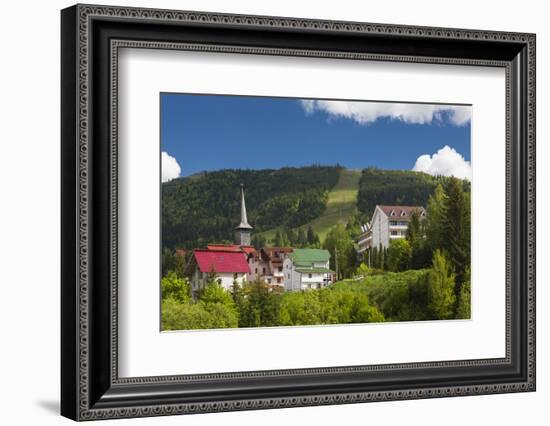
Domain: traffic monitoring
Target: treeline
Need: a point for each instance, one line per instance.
(395, 187)
(205, 208)
(288, 237)
(257, 305)
(443, 234)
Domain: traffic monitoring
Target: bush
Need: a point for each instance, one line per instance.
(191, 316)
(301, 308)
(184, 316)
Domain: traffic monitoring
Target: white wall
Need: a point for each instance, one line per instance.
(227, 280)
(29, 225)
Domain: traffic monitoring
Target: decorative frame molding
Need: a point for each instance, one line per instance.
(91, 37)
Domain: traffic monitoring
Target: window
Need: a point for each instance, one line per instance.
(263, 271)
(403, 213)
(394, 233)
(280, 269)
(288, 276)
(256, 270)
(278, 281)
(309, 275)
(392, 213)
(398, 223)
(219, 281)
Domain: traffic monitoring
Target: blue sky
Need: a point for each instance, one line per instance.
(212, 132)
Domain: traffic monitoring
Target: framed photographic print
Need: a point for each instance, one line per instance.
(263, 212)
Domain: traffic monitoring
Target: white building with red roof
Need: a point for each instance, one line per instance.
(228, 267)
(226, 263)
(388, 223)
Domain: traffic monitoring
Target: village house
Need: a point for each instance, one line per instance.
(274, 257)
(307, 269)
(388, 223)
(228, 266)
(249, 253)
(279, 267)
(258, 266)
(266, 264)
(228, 262)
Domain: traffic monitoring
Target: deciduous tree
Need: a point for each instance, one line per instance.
(175, 287)
(399, 255)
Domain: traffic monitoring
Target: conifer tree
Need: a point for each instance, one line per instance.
(463, 310)
(456, 229)
(302, 240)
(278, 240)
(441, 295)
(413, 231)
(311, 240)
(434, 216)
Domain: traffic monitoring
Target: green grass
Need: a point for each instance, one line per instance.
(341, 204)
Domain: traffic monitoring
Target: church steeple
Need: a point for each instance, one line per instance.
(243, 231)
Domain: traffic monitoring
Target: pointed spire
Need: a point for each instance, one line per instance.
(244, 221)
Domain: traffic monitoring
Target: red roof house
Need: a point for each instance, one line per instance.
(231, 247)
(224, 247)
(220, 262)
(229, 266)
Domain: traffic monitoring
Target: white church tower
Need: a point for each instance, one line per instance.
(243, 231)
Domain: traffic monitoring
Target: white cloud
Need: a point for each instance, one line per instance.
(445, 162)
(170, 167)
(460, 115)
(368, 112)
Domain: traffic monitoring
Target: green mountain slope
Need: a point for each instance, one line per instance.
(399, 187)
(341, 205)
(205, 208)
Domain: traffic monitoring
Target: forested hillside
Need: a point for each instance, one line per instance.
(398, 187)
(341, 206)
(205, 208)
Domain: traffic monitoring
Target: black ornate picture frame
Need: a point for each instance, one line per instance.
(91, 387)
